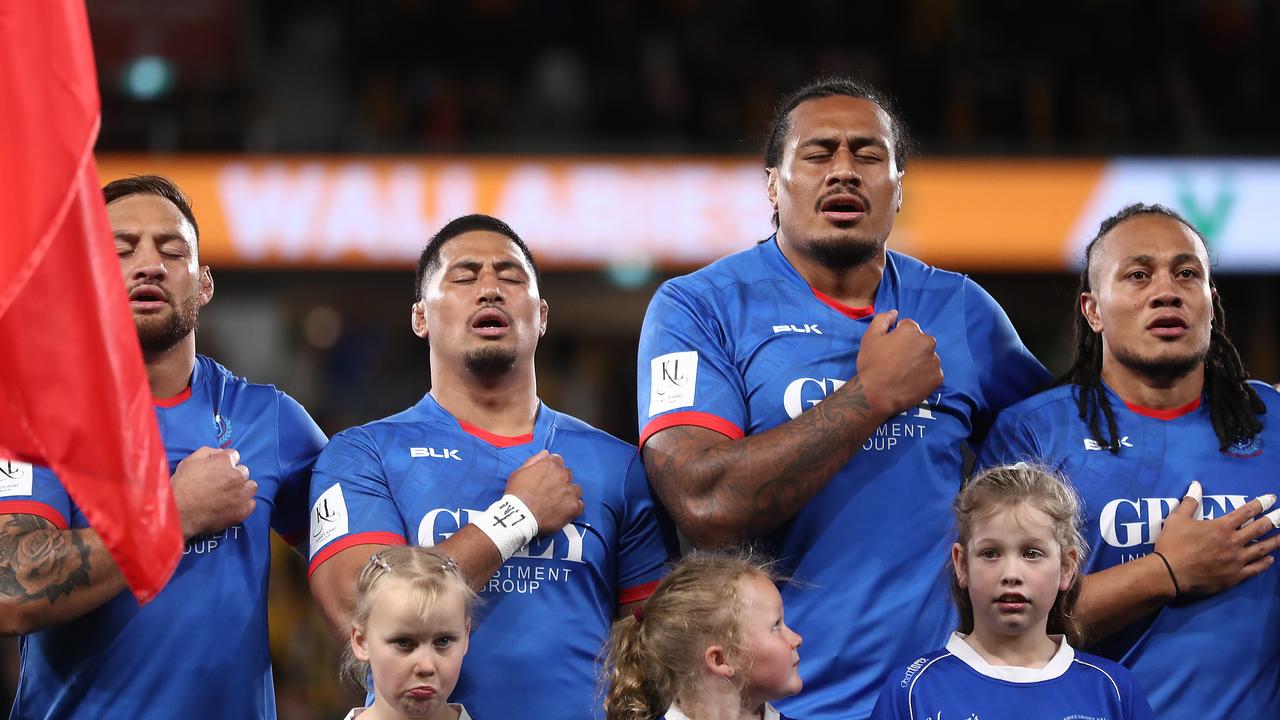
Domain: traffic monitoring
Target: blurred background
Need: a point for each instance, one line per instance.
(324, 142)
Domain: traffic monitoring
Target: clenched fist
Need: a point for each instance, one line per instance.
(898, 368)
(546, 486)
(213, 491)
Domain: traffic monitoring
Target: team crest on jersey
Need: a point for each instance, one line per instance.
(222, 426)
(1245, 449)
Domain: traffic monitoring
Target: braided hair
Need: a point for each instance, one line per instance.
(1234, 407)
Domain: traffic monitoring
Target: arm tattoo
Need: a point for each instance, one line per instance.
(755, 484)
(39, 561)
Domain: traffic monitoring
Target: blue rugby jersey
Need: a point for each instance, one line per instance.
(956, 683)
(199, 649)
(1213, 657)
(544, 616)
(745, 345)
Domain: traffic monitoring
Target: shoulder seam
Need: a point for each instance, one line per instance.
(911, 711)
(1112, 680)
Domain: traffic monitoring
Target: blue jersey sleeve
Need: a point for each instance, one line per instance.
(647, 539)
(685, 374)
(27, 489)
(1136, 705)
(894, 701)
(299, 442)
(1011, 440)
(351, 501)
(1007, 371)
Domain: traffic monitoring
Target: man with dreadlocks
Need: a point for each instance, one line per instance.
(1163, 435)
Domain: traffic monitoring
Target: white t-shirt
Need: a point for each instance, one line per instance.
(462, 712)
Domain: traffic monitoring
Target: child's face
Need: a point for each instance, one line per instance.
(415, 658)
(1013, 569)
(770, 644)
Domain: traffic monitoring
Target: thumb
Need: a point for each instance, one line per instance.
(203, 452)
(1191, 501)
(881, 323)
(533, 459)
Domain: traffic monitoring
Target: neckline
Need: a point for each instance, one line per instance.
(541, 420)
(502, 441)
(884, 293)
(1169, 414)
(1055, 668)
(849, 311)
(174, 401)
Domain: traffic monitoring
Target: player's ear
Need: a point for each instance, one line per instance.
(418, 319)
(1089, 308)
(771, 179)
(961, 564)
(206, 285)
(900, 191)
(543, 309)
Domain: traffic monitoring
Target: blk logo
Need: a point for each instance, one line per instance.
(441, 453)
(803, 329)
(1091, 444)
(12, 470)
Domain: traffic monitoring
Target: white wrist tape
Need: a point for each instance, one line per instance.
(509, 524)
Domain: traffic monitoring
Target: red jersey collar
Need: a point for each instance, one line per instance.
(853, 313)
(502, 441)
(172, 401)
(1170, 414)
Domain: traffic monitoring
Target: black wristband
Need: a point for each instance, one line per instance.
(1177, 592)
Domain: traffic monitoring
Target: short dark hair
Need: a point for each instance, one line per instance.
(829, 87)
(429, 260)
(152, 185)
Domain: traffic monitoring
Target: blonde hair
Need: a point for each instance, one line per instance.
(1009, 486)
(430, 575)
(654, 654)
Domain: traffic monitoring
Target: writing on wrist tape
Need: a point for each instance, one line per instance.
(509, 524)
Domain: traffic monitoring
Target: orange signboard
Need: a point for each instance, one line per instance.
(351, 211)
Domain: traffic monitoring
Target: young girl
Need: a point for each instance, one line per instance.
(410, 629)
(1016, 580)
(709, 644)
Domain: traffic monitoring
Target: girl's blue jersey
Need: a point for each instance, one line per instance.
(1211, 657)
(956, 683)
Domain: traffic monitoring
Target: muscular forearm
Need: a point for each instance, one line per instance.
(1122, 595)
(477, 557)
(50, 576)
(735, 490)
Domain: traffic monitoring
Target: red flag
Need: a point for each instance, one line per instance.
(73, 389)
